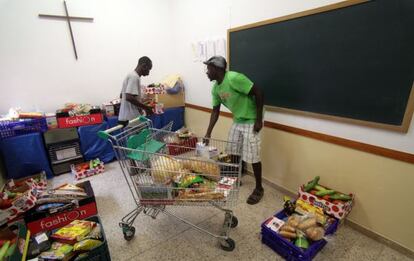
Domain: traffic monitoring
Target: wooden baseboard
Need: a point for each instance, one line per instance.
(385, 152)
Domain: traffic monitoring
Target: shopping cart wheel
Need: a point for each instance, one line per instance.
(129, 232)
(234, 222)
(228, 244)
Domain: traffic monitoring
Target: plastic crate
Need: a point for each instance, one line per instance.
(15, 128)
(287, 249)
(21, 240)
(100, 253)
(185, 145)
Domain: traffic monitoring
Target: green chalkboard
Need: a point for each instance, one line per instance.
(353, 62)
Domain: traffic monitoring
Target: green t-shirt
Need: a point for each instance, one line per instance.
(233, 93)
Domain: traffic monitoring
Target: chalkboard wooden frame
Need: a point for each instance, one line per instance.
(410, 104)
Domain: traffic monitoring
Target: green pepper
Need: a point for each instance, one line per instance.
(312, 184)
(11, 250)
(3, 249)
(319, 187)
(341, 196)
(322, 193)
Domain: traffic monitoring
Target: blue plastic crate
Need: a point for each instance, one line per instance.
(15, 128)
(287, 249)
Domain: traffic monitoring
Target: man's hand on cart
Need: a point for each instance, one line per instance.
(206, 139)
(148, 111)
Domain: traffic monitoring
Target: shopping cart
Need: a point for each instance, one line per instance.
(162, 174)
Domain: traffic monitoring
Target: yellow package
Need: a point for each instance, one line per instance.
(86, 245)
(74, 232)
(304, 208)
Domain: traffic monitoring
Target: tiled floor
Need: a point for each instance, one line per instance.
(165, 238)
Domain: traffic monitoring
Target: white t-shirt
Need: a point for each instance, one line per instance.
(131, 85)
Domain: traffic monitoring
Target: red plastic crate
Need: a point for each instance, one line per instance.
(184, 146)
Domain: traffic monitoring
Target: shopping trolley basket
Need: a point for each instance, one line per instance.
(201, 176)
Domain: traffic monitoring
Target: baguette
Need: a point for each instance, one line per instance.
(287, 234)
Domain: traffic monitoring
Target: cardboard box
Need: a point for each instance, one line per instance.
(169, 100)
(81, 120)
(338, 210)
(29, 187)
(84, 173)
(43, 221)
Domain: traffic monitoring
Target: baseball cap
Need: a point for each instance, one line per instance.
(218, 61)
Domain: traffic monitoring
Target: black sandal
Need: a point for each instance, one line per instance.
(255, 197)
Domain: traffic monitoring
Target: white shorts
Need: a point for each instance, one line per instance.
(242, 133)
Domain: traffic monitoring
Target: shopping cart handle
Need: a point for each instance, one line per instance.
(106, 133)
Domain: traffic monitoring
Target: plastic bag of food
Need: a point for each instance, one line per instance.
(86, 245)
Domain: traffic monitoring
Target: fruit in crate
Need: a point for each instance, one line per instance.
(94, 163)
(82, 167)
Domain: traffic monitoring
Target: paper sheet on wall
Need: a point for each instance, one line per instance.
(203, 50)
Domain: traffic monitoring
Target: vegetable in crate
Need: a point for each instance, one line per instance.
(302, 242)
(3, 249)
(340, 196)
(325, 192)
(311, 184)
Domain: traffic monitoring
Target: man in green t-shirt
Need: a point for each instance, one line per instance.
(245, 100)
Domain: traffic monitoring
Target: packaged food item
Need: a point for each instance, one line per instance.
(287, 234)
(188, 180)
(58, 251)
(288, 228)
(227, 182)
(302, 242)
(96, 232)
(274, 223)
(74, 232)
(293, 221)
(208, 169)
(305, 208)
(224, 157)
(164, 168)
(38, 244)
(82, 256)
(189, 195)
(87, 244)
(310, 222)
(315, 233)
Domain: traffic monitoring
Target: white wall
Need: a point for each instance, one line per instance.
(37, 64)
(197, 20)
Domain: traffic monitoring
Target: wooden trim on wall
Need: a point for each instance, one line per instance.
(385, 152)
(205, 109)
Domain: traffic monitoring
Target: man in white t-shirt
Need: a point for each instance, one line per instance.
(132, 95)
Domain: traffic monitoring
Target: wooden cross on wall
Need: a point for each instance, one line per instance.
(68, 19)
